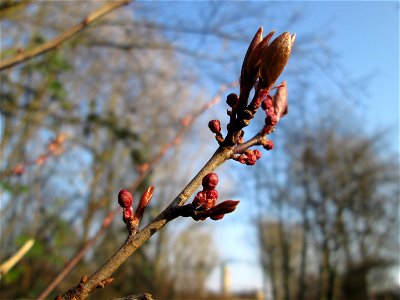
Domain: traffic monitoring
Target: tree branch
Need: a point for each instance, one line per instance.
(186, 123)
(19, 58)
(134, 241)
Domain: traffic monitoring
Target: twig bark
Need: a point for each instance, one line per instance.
(21, 57)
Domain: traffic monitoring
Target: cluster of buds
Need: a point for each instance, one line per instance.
(249, 157)
(262, 65)
(125, 200)
(203, 205)
(275, 107)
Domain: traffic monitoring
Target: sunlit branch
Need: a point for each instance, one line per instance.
(52, 44)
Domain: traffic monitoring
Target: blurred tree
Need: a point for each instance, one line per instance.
(339, 200)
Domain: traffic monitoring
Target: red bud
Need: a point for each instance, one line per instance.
(268, 145)
(257, 153)
(215, 126)
(125, 198)
(210, 181)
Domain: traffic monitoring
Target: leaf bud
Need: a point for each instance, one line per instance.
(274, 59)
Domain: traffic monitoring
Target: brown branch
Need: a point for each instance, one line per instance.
(134, 241)
(186, 124)
(21, 57)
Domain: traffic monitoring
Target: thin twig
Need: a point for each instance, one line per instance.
(13, 260)
(21, 57)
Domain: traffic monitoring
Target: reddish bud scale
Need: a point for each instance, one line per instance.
(210, 181)
(267, 103)
(144, 202)
(200, 199)
(242, 158)
(212, 194)
(127, 215)
(125, 198)
(271, 120)
(215, 126)
(217, 217)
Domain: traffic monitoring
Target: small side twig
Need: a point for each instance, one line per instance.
(67, 34)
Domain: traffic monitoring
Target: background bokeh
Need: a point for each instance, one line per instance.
(319, 214)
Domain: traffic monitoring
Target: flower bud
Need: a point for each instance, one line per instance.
(251, 159)
(257, 153)
(268, 144)
(274, 59)
(210, 181)
(215, 126)
(125, 199)
(199, 200)
(232, 100)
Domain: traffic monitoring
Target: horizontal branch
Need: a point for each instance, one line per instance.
(24, 56)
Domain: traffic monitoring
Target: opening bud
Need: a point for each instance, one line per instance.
(274, 59)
